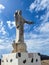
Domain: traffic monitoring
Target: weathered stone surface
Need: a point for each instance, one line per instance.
(21, 47)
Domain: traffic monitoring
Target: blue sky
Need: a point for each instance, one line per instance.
(36, 36)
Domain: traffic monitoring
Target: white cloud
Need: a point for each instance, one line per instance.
(39, 5)
(2, 7)
(45, 17)
(2, 47)
(44, 28)
(37, 43)
(0, 40)
(2, 28)
(6, 44)
(32, 6)
(5, 47)
(11, 24)
(37, 16)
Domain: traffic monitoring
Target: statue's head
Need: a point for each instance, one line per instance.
(17, 16)
(18, 12)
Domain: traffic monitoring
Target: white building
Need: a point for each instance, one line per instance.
(21, 59)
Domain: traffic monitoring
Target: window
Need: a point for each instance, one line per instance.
(32, 60)
(36, 60)
(11, 60)
(19, 54)
(6, 60)
(24, 61)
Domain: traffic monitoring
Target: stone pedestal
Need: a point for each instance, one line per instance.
(19, 47)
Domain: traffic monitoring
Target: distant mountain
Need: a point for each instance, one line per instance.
(0, 61)
(43, 57)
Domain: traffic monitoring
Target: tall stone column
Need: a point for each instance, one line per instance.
(19, 45)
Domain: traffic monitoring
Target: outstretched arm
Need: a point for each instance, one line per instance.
(29, 22)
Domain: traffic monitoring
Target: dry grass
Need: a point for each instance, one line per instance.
(45, 62)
